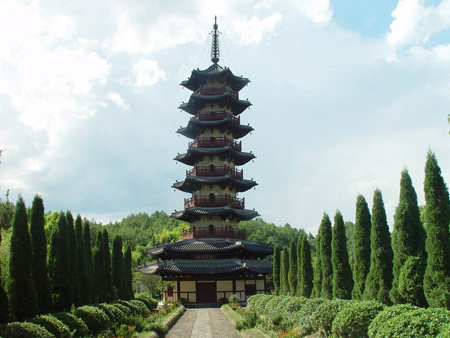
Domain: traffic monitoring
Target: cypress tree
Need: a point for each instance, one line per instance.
(305, 268)
(128, 274)
(276, 269)
(317, 289)
(89, 262)
(325, 257)
(59, 266)
(379, 279)
(284, 271)
(117, 267)
(101, 293)
(298, 291)
(22, 292)
(39, 244)
(361, 247)
(437, 217)
(81, 263)
(408, 240)
(4, 305)
(342, 274)
(73, 259)
(109, 288)
(292, 273)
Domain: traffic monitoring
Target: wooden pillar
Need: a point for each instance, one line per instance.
(178, 289)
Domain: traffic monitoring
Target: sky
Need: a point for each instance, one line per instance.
(345, 94)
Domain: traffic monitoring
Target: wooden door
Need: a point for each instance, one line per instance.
(206, 292)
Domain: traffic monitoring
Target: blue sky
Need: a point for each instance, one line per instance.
(345, 94)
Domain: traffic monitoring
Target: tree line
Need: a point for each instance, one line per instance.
(53, 275)
(411, 265)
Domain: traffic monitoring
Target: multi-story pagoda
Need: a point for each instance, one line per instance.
(213, 260)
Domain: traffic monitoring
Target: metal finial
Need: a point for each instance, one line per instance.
(215, 54)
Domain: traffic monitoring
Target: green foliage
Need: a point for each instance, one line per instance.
(284, 271)
(150, 302)
(75, 324)
(302, 318)
(248, 321)
(379, 279)
(388, 313)
(95, 319)
(323, 316)
(125, 309)
(108, 286)
(325, 257)
(89, 263)
(424, 323)
(410, 285)
(292, 272)
(276, 269)
(234, 299)
(117, 268)
(7, 210)
(128, 274)
(437, 216)
(83, 280)
(408, 239)
(4, 304)
(39, 243)
(52, 325)
(354, 319)
(25, 330)
(101, 292)
(305, 270)
(361, 247)
(59, 266)
(114, 314)
(342, 275)
(73, 259)
(21, 288)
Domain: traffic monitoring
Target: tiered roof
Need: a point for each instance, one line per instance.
(196, 153)
(193, 213)
(193, 183)
(196, 101)
(191, 129)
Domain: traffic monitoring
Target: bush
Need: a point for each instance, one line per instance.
(424, 323)
(257, 302)
(133, 307)
(386, 314)
(302, 318)
(75, 324)
(158, 327)
(141, 307)
(150, 302)
(52, 325)
(114, 314)
(248, 321)
(445, 332)
(293, 304)
(322, 318)
(95, 319)
(354, 319)
(125, 310)
(270, 306)
(234, 299)
(24, 330)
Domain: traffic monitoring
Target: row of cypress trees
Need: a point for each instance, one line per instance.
(411, 267)
(68, 274)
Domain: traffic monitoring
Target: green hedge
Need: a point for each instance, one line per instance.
(75, 324)
(52, 325)
(150, 302)
(95, 319)
(126, 310)
(322, 318)
(388, 313)
(114, 314)
(24, 330)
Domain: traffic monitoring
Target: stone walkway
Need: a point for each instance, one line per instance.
(203, 323)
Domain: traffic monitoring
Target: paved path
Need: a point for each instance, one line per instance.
(203, 323)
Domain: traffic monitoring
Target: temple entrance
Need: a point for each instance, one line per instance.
(206, 292)
(250, 290)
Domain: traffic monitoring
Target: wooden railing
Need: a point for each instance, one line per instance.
(220, 141)
(214, 201)
(217, 115)
(215, 232)
(216, 90)
(212, 170)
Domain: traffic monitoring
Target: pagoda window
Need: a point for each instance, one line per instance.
(211, 197)
(211, 229)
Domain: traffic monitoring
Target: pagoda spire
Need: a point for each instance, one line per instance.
(215, 53)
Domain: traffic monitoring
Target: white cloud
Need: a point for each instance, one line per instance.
(252, 31)
(118, 100)
(318, 11)
(146, 73)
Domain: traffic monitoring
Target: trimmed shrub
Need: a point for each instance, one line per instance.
(75, 324)
(388, 313)
(294, 304)
(322, 319)
(424, 323)
(95, 319)
(126, 310)
(258, 302)
(354, 319)
(271, 306)
(302, 318)
(52, 325)
(150, 302)
(133, 307)
(248, 321)
(114, 314)
(142, 308)
(25, 330)
(445, 332)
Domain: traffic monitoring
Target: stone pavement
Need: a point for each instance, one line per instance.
(203, 323)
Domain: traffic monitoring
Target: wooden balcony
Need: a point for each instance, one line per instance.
(217, 115)
(217, 90)
(214, 201)
(221, 141)
(213, 170)
(214, 232)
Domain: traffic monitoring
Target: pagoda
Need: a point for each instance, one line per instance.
(214, 259)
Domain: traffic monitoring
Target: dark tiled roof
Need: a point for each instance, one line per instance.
(238, 130)
(188, 213)
(195, 153)
(199, 77)
(195, 100)
(193, 183)
(216, 266)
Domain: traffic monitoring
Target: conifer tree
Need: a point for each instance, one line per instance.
(284, 271)
(84, 283)
(342, 274)
(89, 262)
(361, 247)
(128, 274)
(276, 269)
(292, 273)
(437, 217)
(59, 266)
(39, 244)
(298, 250)
(325, 257)
(379, 279)
(117, 268)
(109, 288)
(317, 281)
(408, 240)
(305, 268)
(22, 292)
(101, 292)
(73, 259)
(4, 304)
